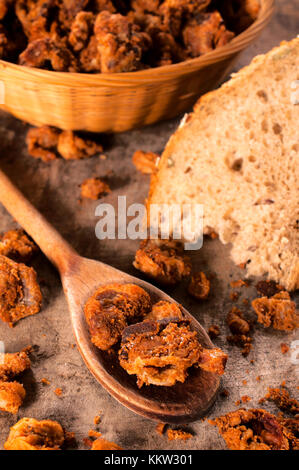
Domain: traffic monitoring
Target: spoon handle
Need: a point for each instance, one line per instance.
(56, 249)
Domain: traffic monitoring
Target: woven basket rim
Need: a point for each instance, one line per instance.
(240, 42)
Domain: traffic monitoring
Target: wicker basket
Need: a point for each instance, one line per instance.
(122, 101)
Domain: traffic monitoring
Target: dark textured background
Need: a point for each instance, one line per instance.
(54, 189)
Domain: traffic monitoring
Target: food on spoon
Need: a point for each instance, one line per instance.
(162, 260)
(254, 429)
(20, 294)
(15, 244)
(161, 352)
(31, 434)
(164, 309)
(111, 309)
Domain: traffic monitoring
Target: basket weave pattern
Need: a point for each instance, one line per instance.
(122, 101)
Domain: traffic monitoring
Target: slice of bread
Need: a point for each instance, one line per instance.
(238, 155)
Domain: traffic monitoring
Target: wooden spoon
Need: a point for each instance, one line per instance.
(80, 277)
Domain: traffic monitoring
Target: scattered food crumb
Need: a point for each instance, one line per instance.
(93, 433)
(58, 392)
(244, 382)
(234, 296)
(239, 283)
(97, 420)
(45, 381)
(146, 162)
(103, 444)
(178, 434)
(258, 379)
(245, 398)
(199, 286)
(240, 329)
(213, 235)
(284, 348)
(94, 188)
(160, 428)
(214, 331)
(268, 288)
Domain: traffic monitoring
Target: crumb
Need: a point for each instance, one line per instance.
(240, 329)
(245, 301)
(58, 392)
(234, 296)
(239, 283)
(160, 428)
(258, 378)
(45, 381)
(244, 382)
(94, 188)
(92, 433)
(284, 348)
(199, 286)
(245, 399)
(178, 434)
(252, 361)
(282, 399)
(278, 311)
(214, 331)
(213, 235)
(146, 162)
(103, 444)
(16, 244)
(103, 157)
(238, 402)
(97, 420)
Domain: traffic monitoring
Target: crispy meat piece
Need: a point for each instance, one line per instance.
(237, 323)
(103, 444)
(90, 58)
(94, 188)
(278, 311)
(146, 162)
(239, 14)
(111, 309)
(72, 147)
(254, 429)
(178, 434)
(81, 30)
(15, 244)
(68, 10)
(45, 53)
(120, 43)
(291, 430)
(162, 260)
(163, 309)
(161, 352)
(12, 364)
(213, 360)
(145, 5)
(100, 5)
(12, 395)
(20, 295)
(30, 434)
(205, 33)
(42, 142)
(174, 12)
(37, 18)
(214, 331)
(240, 329)
(281, 398)
(199, 286)
(5, 6)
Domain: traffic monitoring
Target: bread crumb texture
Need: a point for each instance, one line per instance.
(238, 156)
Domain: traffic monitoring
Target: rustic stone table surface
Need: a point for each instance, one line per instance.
(54, 189)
